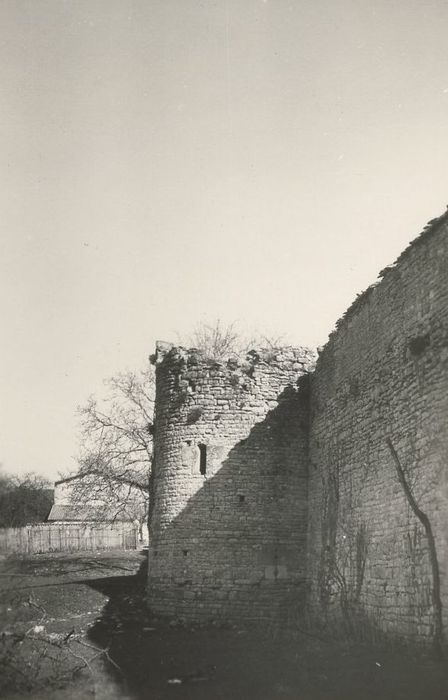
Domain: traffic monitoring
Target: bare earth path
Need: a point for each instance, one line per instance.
(58, 612)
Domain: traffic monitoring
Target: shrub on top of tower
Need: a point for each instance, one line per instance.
(220, 342)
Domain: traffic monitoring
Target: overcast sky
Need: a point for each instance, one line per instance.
(170, 161)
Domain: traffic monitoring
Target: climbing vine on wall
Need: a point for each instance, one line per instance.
(438, 633)
(345, 542)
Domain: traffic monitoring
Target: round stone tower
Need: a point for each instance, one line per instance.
(228, 523)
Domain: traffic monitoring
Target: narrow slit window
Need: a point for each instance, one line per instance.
(202, 459)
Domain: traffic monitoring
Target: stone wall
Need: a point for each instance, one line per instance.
(250, 456)
(229, 516)
(383, 374)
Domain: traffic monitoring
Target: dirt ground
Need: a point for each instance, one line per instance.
(76, 626)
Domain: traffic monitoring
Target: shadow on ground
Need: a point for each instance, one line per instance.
(162, 660)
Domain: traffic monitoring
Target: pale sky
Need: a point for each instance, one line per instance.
(170, 161)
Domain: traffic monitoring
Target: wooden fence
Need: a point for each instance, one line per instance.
(67, 537)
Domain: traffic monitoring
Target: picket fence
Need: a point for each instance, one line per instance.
(67, 537)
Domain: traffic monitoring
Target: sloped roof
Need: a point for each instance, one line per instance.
(76, 513)
(66, 479)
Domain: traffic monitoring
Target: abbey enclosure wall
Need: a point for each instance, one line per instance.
(383, 374)
(276, 485)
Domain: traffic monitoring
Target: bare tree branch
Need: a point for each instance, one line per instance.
(24, 499)
(219, 341)
(115, 458)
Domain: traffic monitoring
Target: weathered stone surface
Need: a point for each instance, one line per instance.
(229, 542)
(383, 373)
(265, 481)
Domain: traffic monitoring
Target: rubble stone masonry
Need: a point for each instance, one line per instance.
(272, 480)
(383, 374)
(229, 522)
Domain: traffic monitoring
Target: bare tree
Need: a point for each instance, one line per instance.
(116, 447)
(219, 341)
(24, 499)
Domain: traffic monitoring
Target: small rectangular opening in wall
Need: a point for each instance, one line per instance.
(202, 459)
(185, 552)
(241, 498)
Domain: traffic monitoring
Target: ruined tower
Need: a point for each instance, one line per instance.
(259, 486)
(228, 526)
